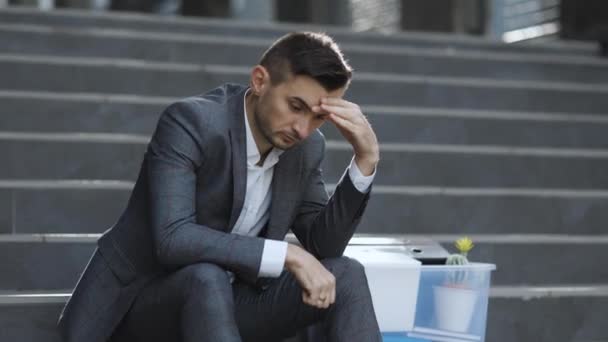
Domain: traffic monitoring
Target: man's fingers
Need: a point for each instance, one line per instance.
(324, 301)
(341, 111)
(336, 101)
(314, 295)
(327, 301)
(309, 300)
(353, 116)
(332, 290)
(321, 295)
(317, 283)
(318, 109)
(313, 301)
(340, 122)
(318, 302)
(329, 288)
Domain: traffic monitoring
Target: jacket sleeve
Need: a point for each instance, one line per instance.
(324, 225)
(173, 156)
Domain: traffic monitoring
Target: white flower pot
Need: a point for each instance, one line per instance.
(454, 307)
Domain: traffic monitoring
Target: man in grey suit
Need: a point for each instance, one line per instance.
(198, 254)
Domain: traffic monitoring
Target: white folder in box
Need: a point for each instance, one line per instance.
(393, 278)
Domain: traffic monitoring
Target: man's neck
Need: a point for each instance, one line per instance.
(261, 143)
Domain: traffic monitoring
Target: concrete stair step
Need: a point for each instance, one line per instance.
(75, 206)
(43, 265)
(56, 262)
(31, 322)
(35, 319)
(485, 211)
(235, 50)
(32, 317)
(117, 114)
(114, 156)
(562, 319)
(152, 23)
(479, 166)
(65, 207)
(59, 112)
(46, 73)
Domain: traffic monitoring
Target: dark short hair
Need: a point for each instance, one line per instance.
(307, 53)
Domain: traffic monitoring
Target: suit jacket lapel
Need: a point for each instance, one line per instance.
(285, 184)
(239, 155)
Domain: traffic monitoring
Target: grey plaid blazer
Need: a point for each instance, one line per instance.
(188, 196)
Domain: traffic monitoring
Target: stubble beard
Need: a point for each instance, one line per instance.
(264, 128)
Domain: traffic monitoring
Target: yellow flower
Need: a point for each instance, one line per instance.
(464, 245)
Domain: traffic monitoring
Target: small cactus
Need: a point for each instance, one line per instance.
(464, 246)
(456, 259)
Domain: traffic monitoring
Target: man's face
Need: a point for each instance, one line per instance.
(284, 113)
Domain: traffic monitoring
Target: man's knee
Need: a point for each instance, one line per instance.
(351, 282)
(347, 271)
(204, 277)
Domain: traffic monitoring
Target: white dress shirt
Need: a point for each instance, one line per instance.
(258, 196)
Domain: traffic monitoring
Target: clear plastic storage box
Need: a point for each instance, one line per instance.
(451, 306)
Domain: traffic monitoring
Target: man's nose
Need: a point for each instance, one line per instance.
(303, 127)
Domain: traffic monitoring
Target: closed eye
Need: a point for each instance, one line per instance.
(295, 108)
(298, 105)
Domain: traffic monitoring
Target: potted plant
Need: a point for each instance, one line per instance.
(456, 298)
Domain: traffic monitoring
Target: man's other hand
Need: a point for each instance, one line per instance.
(318, 284)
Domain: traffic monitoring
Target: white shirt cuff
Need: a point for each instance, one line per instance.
(273, 258)
(361, 182)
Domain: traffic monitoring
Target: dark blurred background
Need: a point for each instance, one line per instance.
(506, 20)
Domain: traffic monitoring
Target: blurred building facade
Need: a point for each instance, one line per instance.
(506, 20)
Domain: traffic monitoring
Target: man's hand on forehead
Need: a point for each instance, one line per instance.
(355, 128)
(342, 109)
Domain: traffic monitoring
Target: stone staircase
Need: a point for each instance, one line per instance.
(504, 143)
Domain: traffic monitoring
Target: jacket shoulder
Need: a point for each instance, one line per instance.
(206, 113)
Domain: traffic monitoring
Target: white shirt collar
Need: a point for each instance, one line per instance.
(253, 154)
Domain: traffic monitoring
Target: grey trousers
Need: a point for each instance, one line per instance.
(198, 303)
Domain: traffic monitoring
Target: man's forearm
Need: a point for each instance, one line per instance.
(324, 229)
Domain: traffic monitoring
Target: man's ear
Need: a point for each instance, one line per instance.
(260, 80)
